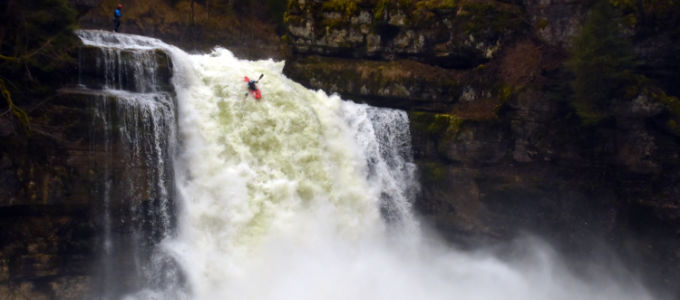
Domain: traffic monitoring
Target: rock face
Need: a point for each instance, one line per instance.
(556, 22)
(85, 179)
(501, 146)
(445, 35)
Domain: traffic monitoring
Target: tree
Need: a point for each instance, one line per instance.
(602, 62)
(35, 40)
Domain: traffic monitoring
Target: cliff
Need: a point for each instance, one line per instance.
(510, 133)
(557, 118)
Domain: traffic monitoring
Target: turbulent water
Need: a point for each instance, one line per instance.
(302, 195)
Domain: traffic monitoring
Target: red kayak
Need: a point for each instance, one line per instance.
(255, 93)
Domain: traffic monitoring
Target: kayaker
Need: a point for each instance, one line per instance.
(252, 87)
(251, 83)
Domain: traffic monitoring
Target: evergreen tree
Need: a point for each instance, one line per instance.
(36, 37)
(602, 62)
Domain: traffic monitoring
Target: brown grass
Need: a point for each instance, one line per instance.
(249, 31)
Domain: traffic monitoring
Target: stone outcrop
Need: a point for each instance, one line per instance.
(501, 147)
(556, 22)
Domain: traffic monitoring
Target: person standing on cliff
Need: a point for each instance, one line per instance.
(116, 17)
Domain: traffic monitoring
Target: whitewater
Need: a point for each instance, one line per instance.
(304, 195)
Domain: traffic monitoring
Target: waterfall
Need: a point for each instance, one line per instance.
(303, 195)
(132, 141)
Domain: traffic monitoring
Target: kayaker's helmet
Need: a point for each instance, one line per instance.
(120, 5)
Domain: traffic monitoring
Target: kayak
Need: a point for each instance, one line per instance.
(256, 93)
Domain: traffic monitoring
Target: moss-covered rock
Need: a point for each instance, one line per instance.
(450, 34)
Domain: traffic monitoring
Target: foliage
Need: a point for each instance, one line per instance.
(602, 62)
(415, 10)
(486, 16)
(636, 11)
(382, 6)
(444, 126)
(671, 103)
(277, 10)
(348, 8)
(38, 33)
(16, 111)
(35, 41)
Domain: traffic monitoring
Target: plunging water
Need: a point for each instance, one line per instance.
(302, 195)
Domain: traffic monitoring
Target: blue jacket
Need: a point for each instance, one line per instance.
(116, 14)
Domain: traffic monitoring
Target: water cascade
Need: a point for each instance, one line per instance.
(302, 195)
(132, 142)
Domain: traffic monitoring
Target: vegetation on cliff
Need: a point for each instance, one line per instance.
(602, 63)
(639, 12)
(36, 39)
(605, 66)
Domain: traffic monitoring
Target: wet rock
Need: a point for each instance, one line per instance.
(71, 287)
(22, 291)
(556, 22)
(477, 144)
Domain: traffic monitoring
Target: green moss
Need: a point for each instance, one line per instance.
(541, 24)
(671, 103)
(626, 4)
(382, 6)
(294, 19)
(454, 125)
(636, 9)
(379, 11)
(423, 12)
(506, 92)
(433, 172)
(442, 126)
(347, 8)
(587, 113)
(479, 17)
(19, 113)
(436, 4)
(291, 5)
(439, 124)
(673, 126)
